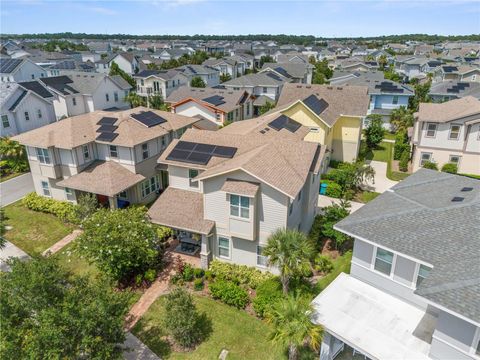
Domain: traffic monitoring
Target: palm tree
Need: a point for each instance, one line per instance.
(292, 325)
(290, 251)
(135, 100)
(13, 154)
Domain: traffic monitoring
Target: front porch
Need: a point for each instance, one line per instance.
(175, 248)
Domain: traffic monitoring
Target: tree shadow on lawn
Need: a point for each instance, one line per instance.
(154, 338)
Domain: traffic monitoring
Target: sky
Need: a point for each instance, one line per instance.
(188, 17)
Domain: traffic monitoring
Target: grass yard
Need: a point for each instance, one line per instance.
(340, 264)
(10, 176)
(33, 231)
(72, 261)
(389, 136)
(244, 336)
(383, 153)
(365, 196)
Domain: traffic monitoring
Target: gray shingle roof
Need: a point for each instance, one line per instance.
(259, 79)
(418, 218)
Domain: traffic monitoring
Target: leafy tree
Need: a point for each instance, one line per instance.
(225, 77)
(421, 95)
(450, 168)
(404, 159)
(430, 165)
(115, 70)
(401, 118)
(3, 229)
(44, 316)
(13, 157)
(156, 102)
(375, 131)
(390, 74)
(182, 320)
(266, 59)
(351, 176)
(266, 108)
(322, 72)
(331, 215)
(122, 243)
(135, 100)
(197, 82)
(382, 61)
(290, 251)
(291, 319)
(87, 205)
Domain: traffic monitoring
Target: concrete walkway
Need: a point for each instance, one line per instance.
(14, 189)
(324, 201)
(382, 183)
(137, 350)
(62, 243)
(8, 251)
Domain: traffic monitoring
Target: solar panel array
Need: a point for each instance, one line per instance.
(197, 153)
(450, 68)
(315, 104)
(455, 89)
(107, 129)
(274, 76)
(389, 87)
(192, 69)
(215, 100)
(284, 122)
(20, 98)
(37, 88)
(148, 118)
(8, 65)
(282, 71)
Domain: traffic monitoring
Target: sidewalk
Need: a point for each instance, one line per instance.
(382, 183)
(324, 201)
(62, 243)
(137, 350)
(8, 251)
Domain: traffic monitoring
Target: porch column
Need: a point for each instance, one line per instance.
(112, 203)
(326, 351)
(204, 252)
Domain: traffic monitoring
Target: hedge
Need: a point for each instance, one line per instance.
(450, 168)
(64, 210)
(268, 292)
(239, 274)
(229, 293)
(334, 190)
(401, 145)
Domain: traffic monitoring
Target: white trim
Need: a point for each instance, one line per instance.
(382, 274)
(469, 354)
(229, 247)
(476, 343)
(451, 312)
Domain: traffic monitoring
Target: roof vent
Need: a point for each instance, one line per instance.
(299, 86)
(465, 189)
(339, 88)
(458, 199)
(308, 87)
(329, 88)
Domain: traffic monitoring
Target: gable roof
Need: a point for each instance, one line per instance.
(289, 69)
(36, 87)
(419, 219)
(449, 111)
(258, 79)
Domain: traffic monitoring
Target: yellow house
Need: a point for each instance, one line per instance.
(333, 114)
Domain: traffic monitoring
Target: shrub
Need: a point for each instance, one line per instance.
(239, 274)
(374, 132)
(333, 189)
(268, 292)
(401, 145)
(64, 210)
(334, 163)
(176, 279)
(403, 164)
(150, 275)
(87, 205)
(323, 264)
(198, 284)
(198, 273)
(450, 168)
(209, 275)
(229, 293)
(138, 279)
(188, 273)
(164, 232)
(430, 165)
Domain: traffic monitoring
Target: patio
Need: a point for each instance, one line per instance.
(174, 249)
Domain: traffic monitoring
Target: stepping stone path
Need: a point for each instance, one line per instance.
(62, 243)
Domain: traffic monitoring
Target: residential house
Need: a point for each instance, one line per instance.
(230, 189)
(215, 105)
(101, 47)
(413, 291)
(170, 54)
(333, 122)
(448, 133)
(110, 154)
(292, 57)
(411, 67)
(209, 75)
(79, 93)
(126, 61)
(226, 66)
(24, 106)
(17, 70)
(298, 72)
(159, 82)
(464, 73)
(452, 89)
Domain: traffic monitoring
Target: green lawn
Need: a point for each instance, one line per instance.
(72, 261)
(365, 196)
(383, 153)
(10, 176)
(340, 264)
(244, 336)
(389, 136)
(33, 231)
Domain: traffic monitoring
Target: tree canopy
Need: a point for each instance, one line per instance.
(197, 82)
(375, 132)
(115, 70)
(322, 72)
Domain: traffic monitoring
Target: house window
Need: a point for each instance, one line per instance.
(123, 195)
(422, 274)
(86, 153)
(27, 116)
(39, 113)
(262, 260)
(230, 116)
(240, 206)
(454, 159)
(236, 113)
(74, 101)
(163, 141)
(192, 173)
(474, 77)
(425, 157)
(395, 100)
(290, 208)
(224, 247)
(454, 132)
(113, 151)
(46, 188)
(142, 82)
(126, 93)
(107, 97)
(145, 151)
(43, 155)
(431, 130)
(248, 109)
(33, 76)
(383, 261)
(69, 194)
(150, 185)
(5, 122)
(115, 96)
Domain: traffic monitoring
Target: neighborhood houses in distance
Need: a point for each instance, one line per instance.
(239, 196)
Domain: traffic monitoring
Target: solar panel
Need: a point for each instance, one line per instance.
(148, 118)
(292, 125)
(178, 155)
(457, 199)
(204, 148)
(215, 100)
(467, 188)
(317, 105)
(450, 68)
(196, 153)
(8, 65)
(37, 88)
(274, 76)
(107, 136)
(284, 122)
(199, 158)
(185, 145)
(282, 71)
(107, 128)
(224, 151)
(107, 121)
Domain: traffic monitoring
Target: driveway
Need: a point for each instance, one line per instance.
(15, 189)
(10, 250)
(382, 183)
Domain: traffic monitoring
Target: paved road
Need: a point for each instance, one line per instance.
(15, 189)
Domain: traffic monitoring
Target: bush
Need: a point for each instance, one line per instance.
(198, 273)
(198, 284)
(374, 132)
(150, 275)
(334, 163)
(401, 145)
(209, 275)
(268, 292)
(450, 168)
(229, 293)
(403, 164)
(188, 273)
(87, 205)
(176, 279)
(323, 264)
(239, 274)
(164, 232)
(430, 165)
(64, 210)
(333, 189)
